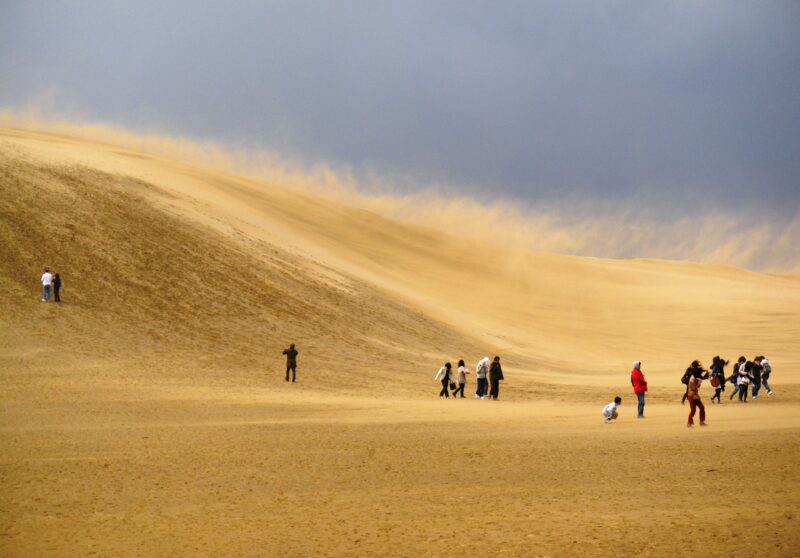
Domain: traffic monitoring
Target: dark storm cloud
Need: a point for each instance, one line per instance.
(692, 104)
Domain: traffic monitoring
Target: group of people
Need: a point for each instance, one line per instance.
(488, 374)
(50, 282)
(747, 376)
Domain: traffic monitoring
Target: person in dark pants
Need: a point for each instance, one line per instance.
(481, 370)
(57, 287)
(495, 375)
(756, 373)
(291, 361)
(734, 379)
(718, 377)
(443, 375)
(639, 386)
(462, 379)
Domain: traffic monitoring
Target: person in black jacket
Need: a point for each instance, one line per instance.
(495, 375)
(291, 361)
(756, 372)
(57, 287)
(734, 379)
(718, 377)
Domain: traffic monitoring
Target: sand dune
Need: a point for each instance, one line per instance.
(148, 414)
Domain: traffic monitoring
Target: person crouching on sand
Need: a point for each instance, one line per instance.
(695, 401)
(639, 386)
(610, 410)
(462, 379)
(444, 376)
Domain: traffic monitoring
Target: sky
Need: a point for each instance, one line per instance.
(681, 107)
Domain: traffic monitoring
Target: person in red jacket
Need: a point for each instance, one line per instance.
(639, 385)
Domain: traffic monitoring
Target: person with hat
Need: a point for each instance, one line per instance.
(639, 386)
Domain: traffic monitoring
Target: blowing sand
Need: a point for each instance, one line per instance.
(148, 415)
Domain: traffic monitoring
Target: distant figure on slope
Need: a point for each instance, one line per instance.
(718, 377)
(734, 379)
(443, 375)
(755, 372)
(57, 287)
(610, 410)
(765, 375)
(291, 361)
(694, 397)
(639, 386)
(495, 375)
(47, 280)
(481, 371)
(462, 379)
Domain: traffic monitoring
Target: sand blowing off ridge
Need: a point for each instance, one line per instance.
(148, 415)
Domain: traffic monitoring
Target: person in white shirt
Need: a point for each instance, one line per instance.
(481, 370)
(47, 280)
(462, 379)
(610, 410)
(443, 375)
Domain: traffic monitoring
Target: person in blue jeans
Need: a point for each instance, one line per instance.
(767, 370)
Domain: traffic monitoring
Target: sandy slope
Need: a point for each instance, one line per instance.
(147, 413)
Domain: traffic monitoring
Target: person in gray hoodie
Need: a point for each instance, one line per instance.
(481, 370)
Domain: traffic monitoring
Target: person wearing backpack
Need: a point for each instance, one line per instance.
(443, 375)
(639, 386)
(734, 379)
(718, 377)
(767, 370)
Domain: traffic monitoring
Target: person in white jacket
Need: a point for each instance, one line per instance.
(462, 379)
(443, 375)
(481, 370)
(47, 280)
(610, 410)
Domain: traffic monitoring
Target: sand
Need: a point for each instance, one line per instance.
(148, 415)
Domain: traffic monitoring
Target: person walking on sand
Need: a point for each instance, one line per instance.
(734, 379)
(443, 375)
(495, 375)
(610, 410)
(694, 400)
(462, 379)
(639, 386)
(481, 371)
(767, 370)
(755, 372)
(47, 281)
(718, 377)
(291, 362)
(57, 287)
(745, 378)
(695, 369)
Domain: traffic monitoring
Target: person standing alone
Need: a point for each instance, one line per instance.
(639, 386)
(47, 281)
(291, 361)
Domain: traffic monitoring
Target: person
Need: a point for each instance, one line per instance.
(495, 375)
(443, 375)
(291, 361)
(695, 369)
(462, 379)
(694, 398)
(639, 386)
(481, 370)
(57, 287)
(610, 410)
(734, 379)
(718, 377)
(767, 370)
(755, 372)
(47, 280)
(744, 380)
